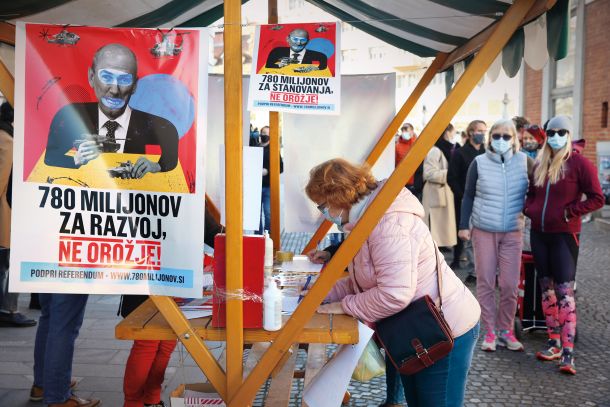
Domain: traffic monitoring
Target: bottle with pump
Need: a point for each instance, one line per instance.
(272, 307)
(268, 252)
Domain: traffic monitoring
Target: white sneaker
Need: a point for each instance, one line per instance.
(508, 340)
(489, 343)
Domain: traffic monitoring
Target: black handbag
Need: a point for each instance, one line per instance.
(418, 336)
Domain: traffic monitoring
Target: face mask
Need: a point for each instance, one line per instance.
(478, 138)
(405, 135)
(557, 142)
(113, 103)
(264, 138)
(501, 146)
(334, 219)
(530, 146)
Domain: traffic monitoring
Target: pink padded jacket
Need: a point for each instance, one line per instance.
(396, 265)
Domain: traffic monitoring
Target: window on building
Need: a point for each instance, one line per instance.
(376, 52)
(292, 4)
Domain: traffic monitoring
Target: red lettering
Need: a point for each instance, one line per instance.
(69, 251)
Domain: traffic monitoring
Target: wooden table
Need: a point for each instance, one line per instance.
(146, 322)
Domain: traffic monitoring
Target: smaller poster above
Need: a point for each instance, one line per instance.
(296, 69)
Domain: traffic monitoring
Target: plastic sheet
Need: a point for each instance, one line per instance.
(370, 365)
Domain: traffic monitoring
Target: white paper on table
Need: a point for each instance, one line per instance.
(301, 263)
(196, 399)
(194, 314)
(252, 186)
(289, 304)
(329, 385)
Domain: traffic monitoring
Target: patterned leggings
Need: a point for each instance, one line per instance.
(555, 257)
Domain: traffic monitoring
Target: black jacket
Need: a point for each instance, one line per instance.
(284, 52)
(266, 165)
(72, 121)
(458, 168)
(131, 302)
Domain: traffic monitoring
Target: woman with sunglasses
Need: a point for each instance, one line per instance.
(396, 265)
(494, 195)
(554, 204)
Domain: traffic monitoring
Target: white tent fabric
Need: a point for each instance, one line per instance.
(535, 54)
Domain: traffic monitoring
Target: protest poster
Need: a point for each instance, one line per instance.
(295, 69)
(108, 180)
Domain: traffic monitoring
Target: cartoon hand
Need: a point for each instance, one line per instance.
(87, 151)
(143, 166)
(284, 61)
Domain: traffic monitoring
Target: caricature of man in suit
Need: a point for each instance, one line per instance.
(113, 77)
(296, 52)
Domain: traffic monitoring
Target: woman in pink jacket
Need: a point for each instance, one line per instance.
(396, 265)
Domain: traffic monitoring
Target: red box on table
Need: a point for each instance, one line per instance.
(253, 280)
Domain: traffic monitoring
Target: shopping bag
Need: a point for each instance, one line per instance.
(370, 365)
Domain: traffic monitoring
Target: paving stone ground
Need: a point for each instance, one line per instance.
(497, 379)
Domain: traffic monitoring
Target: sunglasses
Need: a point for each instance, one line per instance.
(321, 207)
(299, 40)
(560, 132)
(497, 136)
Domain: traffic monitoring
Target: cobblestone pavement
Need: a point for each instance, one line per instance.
(497, 379)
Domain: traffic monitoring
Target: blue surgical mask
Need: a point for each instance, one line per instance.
(334, 219)
(405, 135)
(478, 138)
(557, 142)
(501, 146)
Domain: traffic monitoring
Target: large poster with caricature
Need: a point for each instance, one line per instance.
(295, 69)
(109, 141)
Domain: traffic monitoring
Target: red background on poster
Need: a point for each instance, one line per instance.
(44, 95)
(271, 38)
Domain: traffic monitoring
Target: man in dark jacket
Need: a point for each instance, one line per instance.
(456, 178)
(266, 191)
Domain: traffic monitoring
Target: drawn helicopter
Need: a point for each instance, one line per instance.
(168, 47)
(322, 28)
(64, 37)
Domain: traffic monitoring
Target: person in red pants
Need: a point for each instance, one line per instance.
(148, 359)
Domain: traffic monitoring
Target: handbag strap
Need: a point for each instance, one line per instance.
(439, 277)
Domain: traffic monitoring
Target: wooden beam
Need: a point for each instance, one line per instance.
(274, 154)
(450, 106)
(7, 33)
(7, 84)
(475, 43)
(234, 189)
(388, 134)
(192, 342)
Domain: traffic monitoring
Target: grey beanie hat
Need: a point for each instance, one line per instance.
(560, 122)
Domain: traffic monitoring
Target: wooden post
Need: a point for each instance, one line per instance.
(274, 154)
(504, 30)
(388, 134)
(233, 197)
(7, 84)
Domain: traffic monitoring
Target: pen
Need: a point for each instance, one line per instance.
(305, 286)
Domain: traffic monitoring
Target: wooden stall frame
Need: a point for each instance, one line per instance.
(230, 386)
(498, 39)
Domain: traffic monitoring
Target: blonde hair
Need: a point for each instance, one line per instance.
(551, 165)
(511, 128)
(340, 183)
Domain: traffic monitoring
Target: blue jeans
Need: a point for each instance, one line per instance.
(444, 383)
(395, 394)
(266, 210)
(60, 320)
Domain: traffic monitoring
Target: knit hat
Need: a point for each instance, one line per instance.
(536, 132)
(560, 122)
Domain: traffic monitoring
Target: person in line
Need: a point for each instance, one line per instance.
(437, 197)
(560, 178)
(9, 311)
(266, 190)
(494, 196)
(520, 124)
(533, 140)
(456, 178)
(396, 265)
(405, 140)
(148, 359)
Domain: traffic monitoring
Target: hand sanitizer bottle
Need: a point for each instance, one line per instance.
(272, 307)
